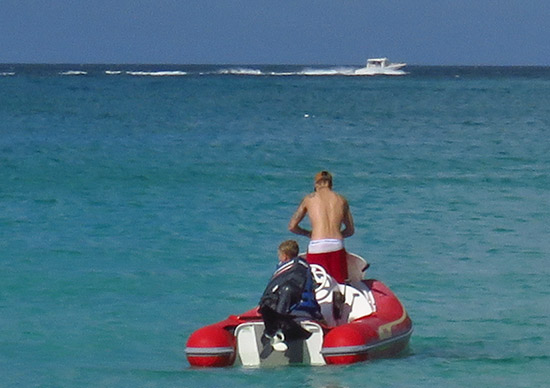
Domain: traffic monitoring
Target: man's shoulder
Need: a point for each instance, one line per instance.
(337, 195)
(310, 196)
(340, 196)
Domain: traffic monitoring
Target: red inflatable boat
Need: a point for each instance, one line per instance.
(371, 323)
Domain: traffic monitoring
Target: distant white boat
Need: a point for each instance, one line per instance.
(381, 66)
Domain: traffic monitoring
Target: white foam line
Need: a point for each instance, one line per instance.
(73, 72)
(240, 71)
(157, 73)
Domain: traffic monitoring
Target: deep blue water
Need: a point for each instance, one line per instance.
(139, 205)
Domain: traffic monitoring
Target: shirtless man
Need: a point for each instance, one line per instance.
(327, 211)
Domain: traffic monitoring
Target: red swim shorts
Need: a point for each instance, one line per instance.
(335, 263)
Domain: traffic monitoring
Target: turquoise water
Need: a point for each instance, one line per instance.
(136, 208)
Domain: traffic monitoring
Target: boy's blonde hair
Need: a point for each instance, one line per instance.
(289, 248)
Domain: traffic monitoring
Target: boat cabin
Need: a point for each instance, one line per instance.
(377, 62)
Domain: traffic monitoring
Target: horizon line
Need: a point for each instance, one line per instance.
(246, 64)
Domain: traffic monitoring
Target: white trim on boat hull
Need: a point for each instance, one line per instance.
(361, 349)
(207, 352)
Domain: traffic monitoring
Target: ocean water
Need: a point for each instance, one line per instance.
(139, 203)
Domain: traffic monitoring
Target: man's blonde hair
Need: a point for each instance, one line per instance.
(323, 177)
(289, 248)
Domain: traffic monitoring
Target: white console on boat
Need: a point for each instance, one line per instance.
(252, 352)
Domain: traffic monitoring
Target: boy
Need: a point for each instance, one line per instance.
(289, 295)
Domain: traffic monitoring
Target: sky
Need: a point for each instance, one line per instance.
(314, 32)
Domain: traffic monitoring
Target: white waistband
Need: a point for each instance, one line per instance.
(325, 245)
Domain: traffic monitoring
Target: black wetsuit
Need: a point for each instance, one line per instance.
(288, 294)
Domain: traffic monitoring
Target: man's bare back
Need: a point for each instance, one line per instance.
(327, 211)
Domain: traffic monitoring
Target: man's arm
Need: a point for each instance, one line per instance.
(297, 217)
(349, 229)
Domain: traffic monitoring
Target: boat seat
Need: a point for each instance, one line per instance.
(358, 300)
(356, 267)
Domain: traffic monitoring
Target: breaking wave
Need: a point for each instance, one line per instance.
(157, 73)
(214, 70)
(73, 72)
(240, 71)
(301, 72)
